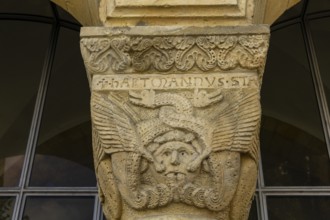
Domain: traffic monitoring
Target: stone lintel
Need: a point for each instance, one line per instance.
(175, 12)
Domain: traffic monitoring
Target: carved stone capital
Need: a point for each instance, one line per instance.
(175, 117)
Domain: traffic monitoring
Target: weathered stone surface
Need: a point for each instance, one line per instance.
(175, 116)
(181, 49)
(175, 109)
(118, 13)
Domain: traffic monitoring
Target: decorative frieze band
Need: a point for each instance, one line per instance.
(175, 119)
(173, 53)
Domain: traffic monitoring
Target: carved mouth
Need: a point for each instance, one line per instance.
(174, 175)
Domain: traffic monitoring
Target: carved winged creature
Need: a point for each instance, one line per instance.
(121, 140)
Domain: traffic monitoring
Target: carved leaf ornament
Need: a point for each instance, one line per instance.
(140, 54)
(175, 122)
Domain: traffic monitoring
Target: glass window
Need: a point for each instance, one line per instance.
(64, 151)
(254, 211)
(302, 208)
(292, 140)
(33, 7)
(59, 208)
(6, 207)
(321, 35)
(22, 59)
(318, 5)
(291, 13)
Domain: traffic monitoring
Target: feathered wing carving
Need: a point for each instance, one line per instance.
(225, 123)
(236, 127)
(113, 131)
(247, 131)
(116, 129)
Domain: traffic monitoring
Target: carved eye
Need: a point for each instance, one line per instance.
(183, 153)
(166, 154)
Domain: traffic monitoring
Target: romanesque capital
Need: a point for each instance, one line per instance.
(175, 116)
(175, 103)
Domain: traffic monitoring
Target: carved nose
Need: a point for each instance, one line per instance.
(174, 158)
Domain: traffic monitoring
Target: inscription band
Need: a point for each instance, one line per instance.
(186, 81)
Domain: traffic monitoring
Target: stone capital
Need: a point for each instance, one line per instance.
(175, 116)
(175, 108)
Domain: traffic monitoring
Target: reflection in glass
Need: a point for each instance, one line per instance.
(292, 139)
(321, 35)
(21, 64)
(59, 208)
(6, 207)
(291, 156)
(302, 208)
(64, 150)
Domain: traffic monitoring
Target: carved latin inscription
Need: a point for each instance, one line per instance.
(188, 81)
(175, 124)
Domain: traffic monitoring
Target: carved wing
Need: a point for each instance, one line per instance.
(224, 128)
(115, 129)
(236, 128)
(247, 131)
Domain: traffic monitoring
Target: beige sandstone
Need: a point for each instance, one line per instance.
(175, 108)
(176, 116)
(175, 12)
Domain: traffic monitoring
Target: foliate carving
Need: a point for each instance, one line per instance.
(175, 121)
(129, 54)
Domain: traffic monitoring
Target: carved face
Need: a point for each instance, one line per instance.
(175, 158)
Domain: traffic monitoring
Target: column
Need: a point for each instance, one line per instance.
(175, 103)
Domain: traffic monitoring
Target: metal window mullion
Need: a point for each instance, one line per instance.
(97, 214)
(301, 194)
(319, 15)
(90, 190)
(263, 206)
(36, 119)
(317, 80)
(297, 189)
(26, 17)
(285, 24)
(40, 100)
(60, 194)
(261, 180)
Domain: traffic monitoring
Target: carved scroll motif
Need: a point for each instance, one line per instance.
(173, 53)
(175, 123)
